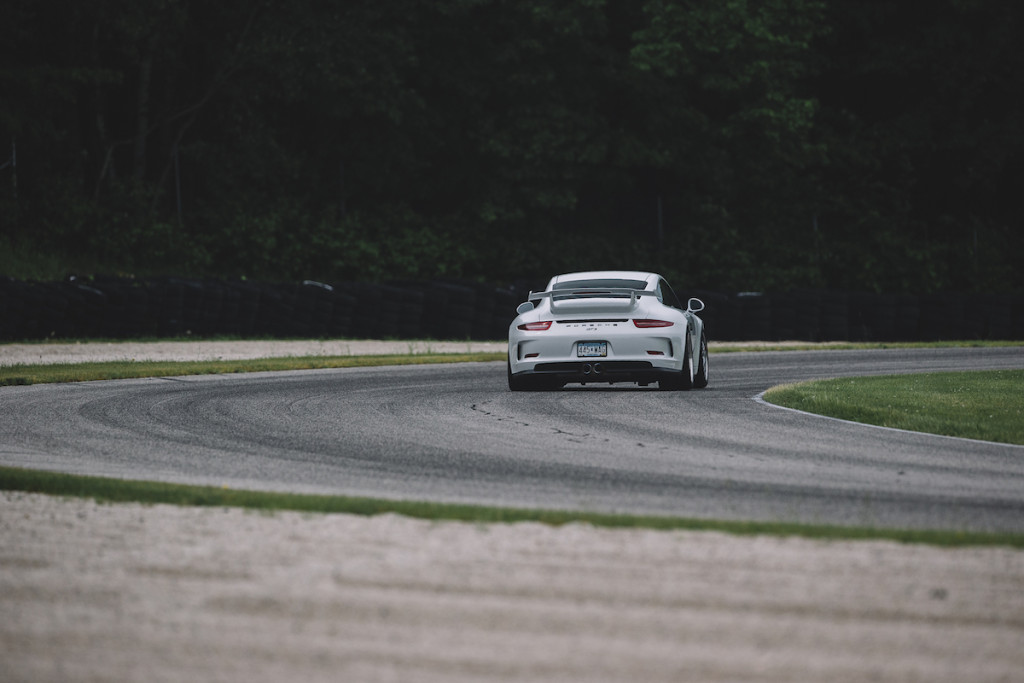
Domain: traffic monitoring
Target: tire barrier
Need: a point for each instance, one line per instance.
(112, 307)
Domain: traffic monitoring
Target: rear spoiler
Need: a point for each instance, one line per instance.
(593, 293)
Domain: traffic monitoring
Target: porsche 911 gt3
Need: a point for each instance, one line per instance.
(607, 327)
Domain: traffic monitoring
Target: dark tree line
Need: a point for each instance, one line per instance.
(744, 144)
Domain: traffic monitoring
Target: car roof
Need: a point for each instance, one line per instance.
(650, 278)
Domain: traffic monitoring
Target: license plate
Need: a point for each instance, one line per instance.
(591, 349)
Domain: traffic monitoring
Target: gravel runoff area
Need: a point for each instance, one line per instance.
(130, 592)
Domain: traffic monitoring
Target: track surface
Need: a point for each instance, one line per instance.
(455, 433)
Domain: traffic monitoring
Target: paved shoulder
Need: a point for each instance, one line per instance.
(95, 352)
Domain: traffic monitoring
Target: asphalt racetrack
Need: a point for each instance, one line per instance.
(455, 433)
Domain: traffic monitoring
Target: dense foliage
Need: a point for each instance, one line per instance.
(733, 144)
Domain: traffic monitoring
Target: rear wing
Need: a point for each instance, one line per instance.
(592, 293)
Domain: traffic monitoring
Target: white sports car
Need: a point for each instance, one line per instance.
(607, 326)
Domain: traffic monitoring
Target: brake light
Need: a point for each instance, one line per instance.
(536, 327)
(653, 323)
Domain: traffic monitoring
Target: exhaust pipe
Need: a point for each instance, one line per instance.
(586, 368)
(598, 369)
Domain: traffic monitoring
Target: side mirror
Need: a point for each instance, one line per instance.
(694, 305)
(524, 307)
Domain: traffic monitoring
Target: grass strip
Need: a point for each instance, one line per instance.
(745, 347)
(85, 372)
(111, 490)
(986, 405)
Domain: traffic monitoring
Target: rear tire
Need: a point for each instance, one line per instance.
(700, 380)
(682, 380)
(516, 383)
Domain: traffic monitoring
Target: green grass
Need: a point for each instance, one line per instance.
(84, 372)
(109, 490)
(976, 405)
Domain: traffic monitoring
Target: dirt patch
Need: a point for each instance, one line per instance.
(132, 592)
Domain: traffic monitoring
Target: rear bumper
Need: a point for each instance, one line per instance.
(632, 354)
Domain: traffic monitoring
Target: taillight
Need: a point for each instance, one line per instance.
(653, 323)
(536, 327)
